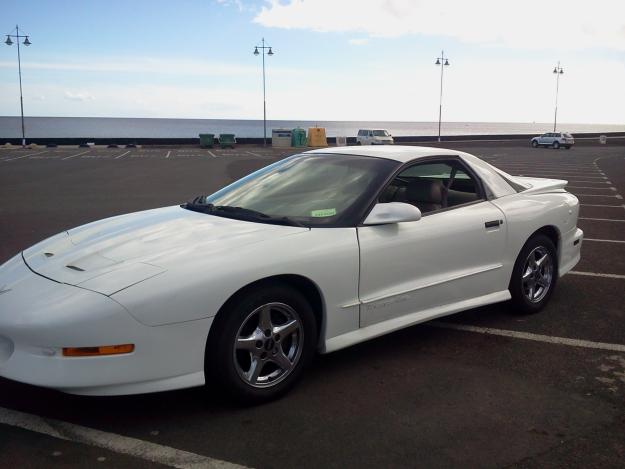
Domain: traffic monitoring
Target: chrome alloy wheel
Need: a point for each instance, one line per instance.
(537, 274)
(268, 345)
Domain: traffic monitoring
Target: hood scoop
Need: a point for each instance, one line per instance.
(73, 267)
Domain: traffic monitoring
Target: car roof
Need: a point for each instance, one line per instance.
(400, 153)
(404, 154)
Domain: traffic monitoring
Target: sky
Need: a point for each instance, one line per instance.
(333, 59)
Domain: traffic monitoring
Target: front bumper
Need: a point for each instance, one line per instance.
(38, 317)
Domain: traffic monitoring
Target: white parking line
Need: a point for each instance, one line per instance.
(110, 441)
(252, 153)
(123, 154)
(601, 219)
(26, 156)
(600, 205)
(77, 154)
(211, 153)
(168, 153)
(597, 274)
(594, 188)
(529, 336)
(556, 176)
(604, 240)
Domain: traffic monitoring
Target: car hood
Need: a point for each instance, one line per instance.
(112, 254)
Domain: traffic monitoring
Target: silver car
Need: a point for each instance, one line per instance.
(554, 140)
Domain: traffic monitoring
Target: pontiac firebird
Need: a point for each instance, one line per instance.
(314, 253)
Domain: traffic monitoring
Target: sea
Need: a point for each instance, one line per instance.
(122, 127)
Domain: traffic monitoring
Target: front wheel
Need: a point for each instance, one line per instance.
(262, 343)
(534, 276)
(556, 145)
(534, 144)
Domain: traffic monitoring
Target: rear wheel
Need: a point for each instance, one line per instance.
(534, 275)
(262, 343)
(556, 145)
(534, 144)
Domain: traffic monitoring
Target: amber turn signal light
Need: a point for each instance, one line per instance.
(98, 351)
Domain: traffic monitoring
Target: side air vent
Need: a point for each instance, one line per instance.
(48, 254)
(73, 267)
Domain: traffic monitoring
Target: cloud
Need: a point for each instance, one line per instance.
(361, 41)
(78, 96)
(241, 6)
(532, 24)
(148, 65)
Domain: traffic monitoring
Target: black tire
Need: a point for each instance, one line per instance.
(358, 143)
(520, 300)
(534, 144)
(223, 361)
(556, 145)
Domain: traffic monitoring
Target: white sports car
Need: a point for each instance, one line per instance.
(316, 252)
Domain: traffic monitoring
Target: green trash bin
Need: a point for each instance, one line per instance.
(207, 140)
(298, 138)
(227, 140)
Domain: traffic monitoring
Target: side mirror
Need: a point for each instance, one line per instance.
(392, 212)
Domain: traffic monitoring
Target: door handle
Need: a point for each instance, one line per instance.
(493, 223)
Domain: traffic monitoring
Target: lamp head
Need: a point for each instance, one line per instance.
(27, 42)
(270, 52)
(446, 62)
(438, 62)
(255, 50)
(8, 42)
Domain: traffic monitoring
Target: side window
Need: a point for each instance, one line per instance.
(432, 186)
(361, 133)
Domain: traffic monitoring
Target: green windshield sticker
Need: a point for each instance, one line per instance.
(326, 212)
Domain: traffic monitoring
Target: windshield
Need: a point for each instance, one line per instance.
(381, 133)
(315, 190)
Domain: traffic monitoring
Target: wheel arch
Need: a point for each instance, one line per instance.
(550, 231)
(304, 285)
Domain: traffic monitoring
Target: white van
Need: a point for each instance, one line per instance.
(374, 137)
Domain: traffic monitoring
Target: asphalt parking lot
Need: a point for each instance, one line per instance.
(483, 388)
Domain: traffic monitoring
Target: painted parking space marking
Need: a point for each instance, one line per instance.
(604, 240)
(539, 175)
(123, 154)
(167, 155)
(145, 450)
(593, 188)
(617, 196)
(602, 219)
(548, 339)
(575, 181)
(600, 205)
(26, 156)
(211, 153)
(597, 274)
(77, 154)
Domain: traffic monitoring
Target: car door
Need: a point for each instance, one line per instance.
(454, 253)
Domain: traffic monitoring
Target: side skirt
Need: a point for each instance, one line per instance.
(382, 328)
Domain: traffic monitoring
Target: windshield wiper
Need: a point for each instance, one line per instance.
(256, 215)
(199, 205)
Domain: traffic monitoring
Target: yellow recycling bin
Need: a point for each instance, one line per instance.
(317, 137)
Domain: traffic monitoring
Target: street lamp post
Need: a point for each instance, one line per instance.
(443, 62)
(26, 42)
(264, 48)
(558, 71)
